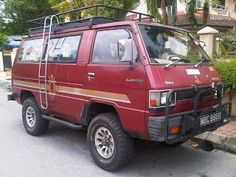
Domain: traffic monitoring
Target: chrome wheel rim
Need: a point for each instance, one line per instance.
(30, 116)
(104, 142)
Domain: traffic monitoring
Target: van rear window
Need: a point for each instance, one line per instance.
(63, 49)
(31, 50)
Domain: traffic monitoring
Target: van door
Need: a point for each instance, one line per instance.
(63, 54)
(110, 81)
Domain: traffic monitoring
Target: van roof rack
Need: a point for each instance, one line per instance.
(86, 16)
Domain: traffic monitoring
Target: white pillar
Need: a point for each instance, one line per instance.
(13, 55)
(1, 62)
(208, 35)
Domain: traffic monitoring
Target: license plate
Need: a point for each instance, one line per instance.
(208, 119)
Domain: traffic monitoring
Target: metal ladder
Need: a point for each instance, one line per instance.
(43, 62)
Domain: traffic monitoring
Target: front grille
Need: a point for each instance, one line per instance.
(188, 94)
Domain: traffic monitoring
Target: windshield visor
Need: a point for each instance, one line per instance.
(165, 46)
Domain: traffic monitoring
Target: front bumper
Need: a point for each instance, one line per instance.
(190, 121)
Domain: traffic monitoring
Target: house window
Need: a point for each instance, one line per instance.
(200, 4)
(221, 2)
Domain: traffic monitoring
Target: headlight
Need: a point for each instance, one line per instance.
(163, 97)
(158, 98)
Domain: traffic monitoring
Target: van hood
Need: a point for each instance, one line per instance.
(181, 76)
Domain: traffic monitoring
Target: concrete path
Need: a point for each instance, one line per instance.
(223, 138)
(63, 152)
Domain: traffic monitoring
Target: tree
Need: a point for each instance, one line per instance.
(17, 13)
(168, 9)
(191, 9)
(3, 41)
(62, 5)
(65, 5)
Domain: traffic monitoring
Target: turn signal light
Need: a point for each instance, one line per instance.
(153, 102)
(174, 130)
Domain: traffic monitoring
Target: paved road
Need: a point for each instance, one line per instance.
(63, 152)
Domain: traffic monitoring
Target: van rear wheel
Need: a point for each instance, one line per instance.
(32, 118)
(109, 146)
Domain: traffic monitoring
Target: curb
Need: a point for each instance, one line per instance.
(219, 141)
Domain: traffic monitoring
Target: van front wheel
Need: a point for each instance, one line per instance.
(110, 147)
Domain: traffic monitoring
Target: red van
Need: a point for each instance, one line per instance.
(120, 79)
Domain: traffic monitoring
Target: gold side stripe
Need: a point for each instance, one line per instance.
(77, 91)
(26, 84)
(94, 93)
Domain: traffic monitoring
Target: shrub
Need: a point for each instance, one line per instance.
(227, 69)
(3, 41)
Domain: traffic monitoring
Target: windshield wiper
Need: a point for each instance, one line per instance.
(197, 64)
(175, 61)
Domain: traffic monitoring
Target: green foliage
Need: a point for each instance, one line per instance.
(226, 67)
(130, 4)
(62, 5)
(168, 8)
(152, 7)
(190, 10)
(228, 42)
(205, 12)
(223, 51)
(173, 13)
(19, 12)
(3, 41)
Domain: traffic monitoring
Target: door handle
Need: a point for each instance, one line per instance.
(91, 74)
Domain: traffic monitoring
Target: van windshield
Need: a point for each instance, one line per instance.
(167, 46)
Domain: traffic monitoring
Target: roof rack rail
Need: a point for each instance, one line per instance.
(86, 16)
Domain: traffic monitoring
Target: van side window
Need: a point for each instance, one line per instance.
(105, 47)
(31, 51)
(63, 49)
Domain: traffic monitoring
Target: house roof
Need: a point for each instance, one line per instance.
(213, 20)
(14, 41)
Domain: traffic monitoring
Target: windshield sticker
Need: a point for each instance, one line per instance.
(215, 79)
(193, 71)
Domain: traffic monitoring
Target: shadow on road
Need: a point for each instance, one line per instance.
(148, 155)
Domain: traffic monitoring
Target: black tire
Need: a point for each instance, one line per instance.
(39, 125)
(123, 144)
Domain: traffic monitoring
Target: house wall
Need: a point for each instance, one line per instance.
(142, 8)
(231, 8)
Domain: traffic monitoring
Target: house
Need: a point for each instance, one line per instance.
(222, 15)
(8, 55)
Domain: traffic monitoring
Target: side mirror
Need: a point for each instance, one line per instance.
(203, 45)
(125, 50)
